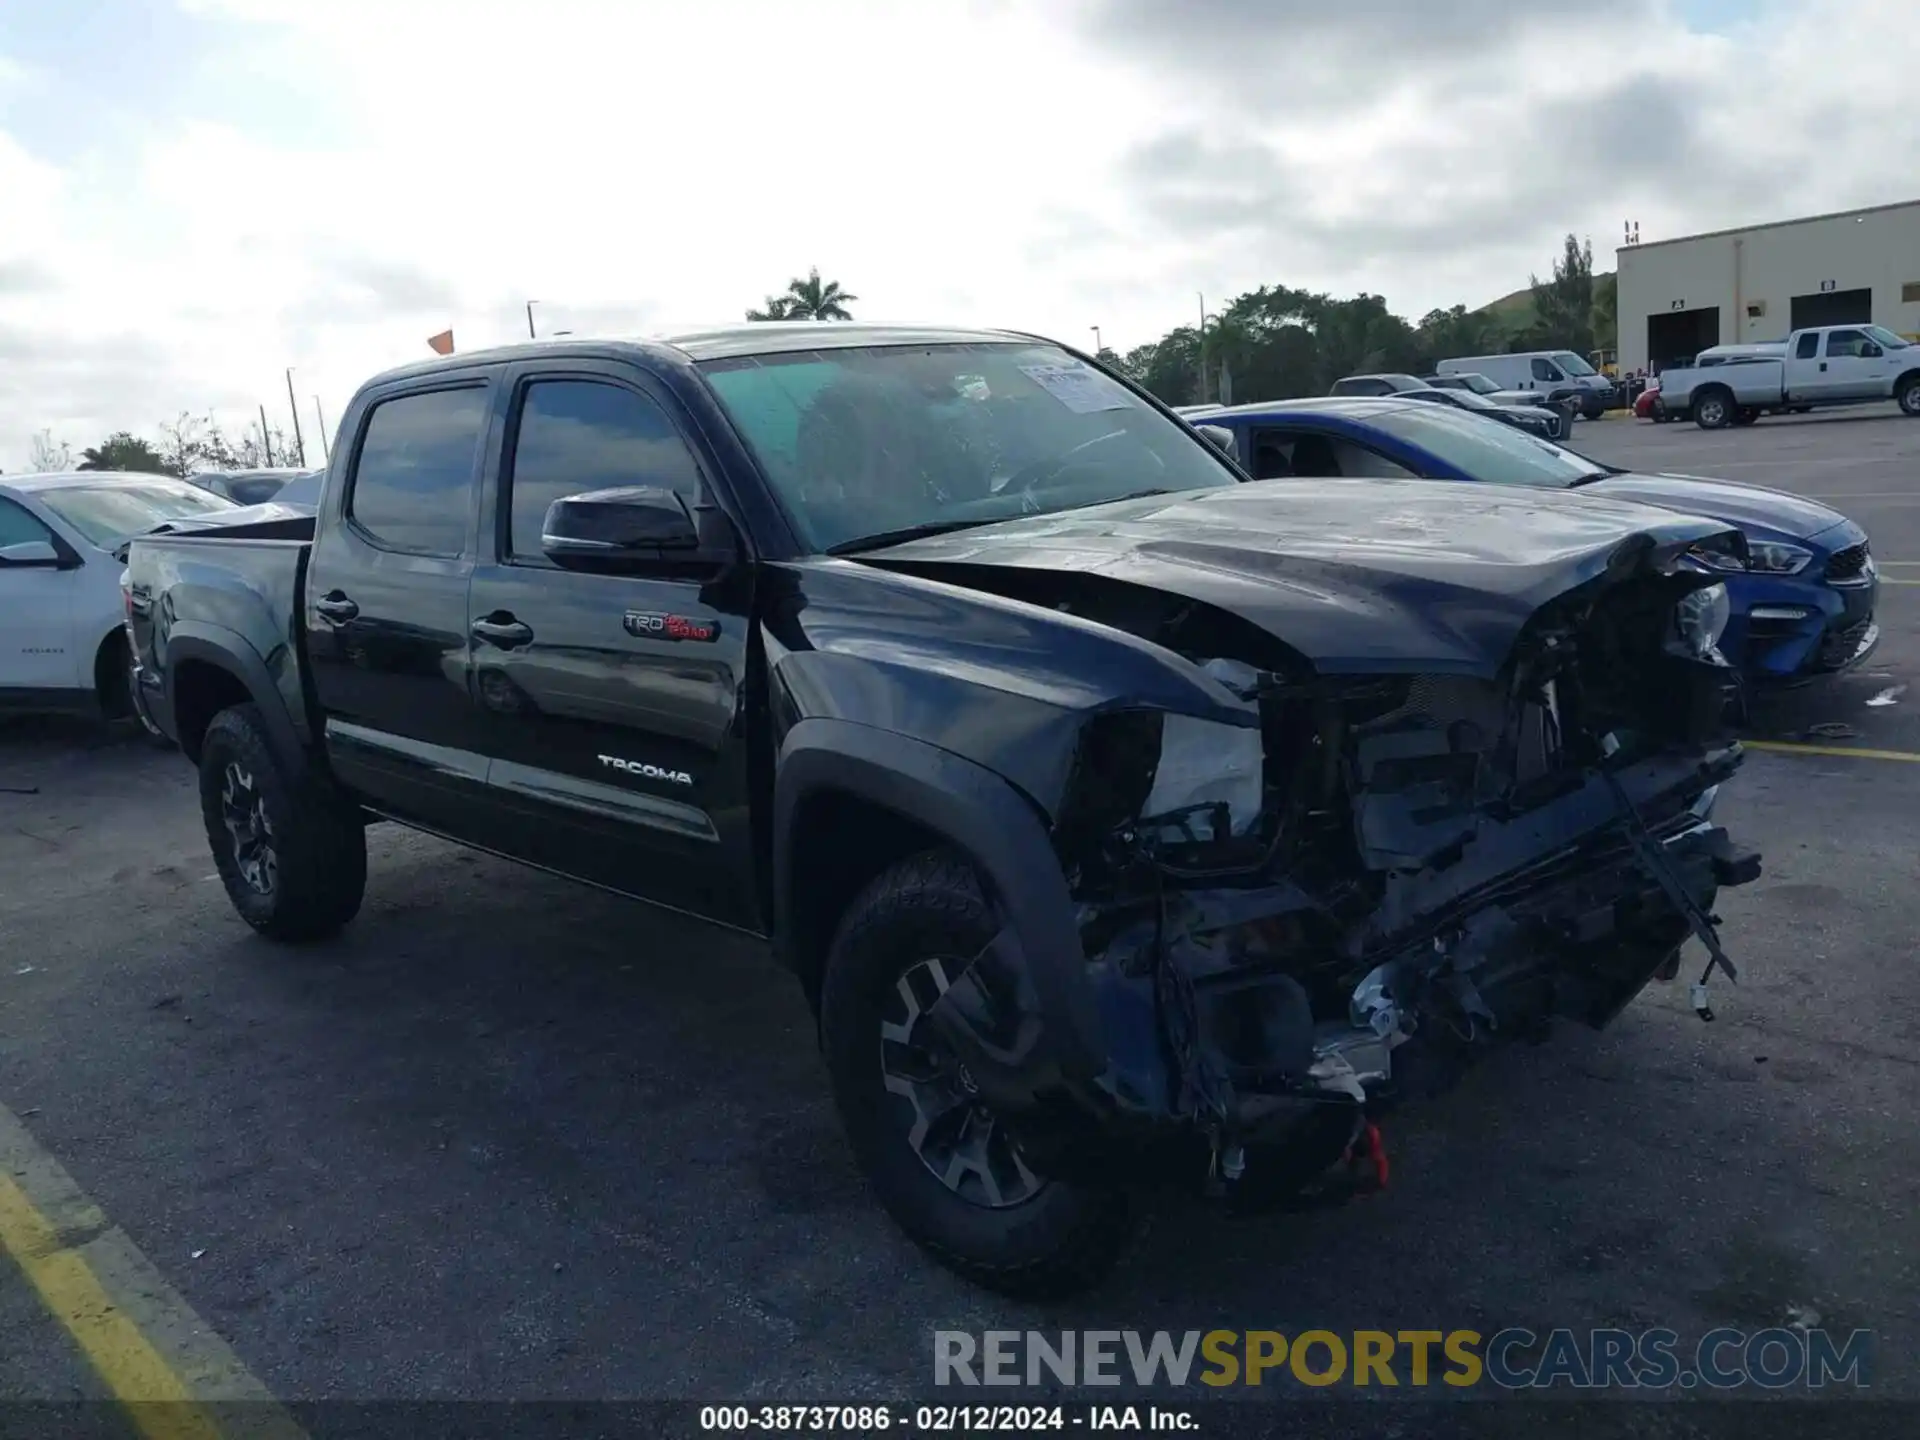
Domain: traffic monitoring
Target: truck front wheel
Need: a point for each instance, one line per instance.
(938, 1159)
(1909, 395)
(290, 850)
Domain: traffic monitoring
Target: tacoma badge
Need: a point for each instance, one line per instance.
(646, 772)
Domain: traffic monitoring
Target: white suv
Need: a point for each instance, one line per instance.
(62, 617)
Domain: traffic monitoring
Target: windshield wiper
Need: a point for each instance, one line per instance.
(910, 532)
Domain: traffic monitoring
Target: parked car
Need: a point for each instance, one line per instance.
(1820, 365)
(1802, 597)
(1382, 384)
(1546, 422)
(247, 487)
(1558, 374)
(1120, 817)
(63, 642)
(1480, 385)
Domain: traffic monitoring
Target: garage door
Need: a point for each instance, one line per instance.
(1833, 307)
(1675, 335)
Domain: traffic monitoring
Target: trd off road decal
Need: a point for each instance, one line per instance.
(658, 625)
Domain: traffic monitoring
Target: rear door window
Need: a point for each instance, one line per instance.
(1285, 452)
(415, 471)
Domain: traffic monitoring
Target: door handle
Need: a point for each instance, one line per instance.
(502, 630)
(336, 607)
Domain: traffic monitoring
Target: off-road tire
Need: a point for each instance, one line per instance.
(1909, 396)
(1062, 1239)
(319, 845)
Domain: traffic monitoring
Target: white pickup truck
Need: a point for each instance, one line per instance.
(1824, 365)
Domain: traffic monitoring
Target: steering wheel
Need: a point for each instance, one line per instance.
(1033, 477)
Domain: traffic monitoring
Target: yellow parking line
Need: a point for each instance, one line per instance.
(1791, 747)
(175, 1378)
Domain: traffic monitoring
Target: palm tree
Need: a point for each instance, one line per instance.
(814, 299)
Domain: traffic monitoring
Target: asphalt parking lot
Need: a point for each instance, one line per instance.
(508, 1138)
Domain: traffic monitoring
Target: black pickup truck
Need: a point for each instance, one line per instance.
(1123, 819)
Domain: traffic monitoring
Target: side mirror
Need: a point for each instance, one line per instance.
(1219, 435)
(640, 529)
(30, 555)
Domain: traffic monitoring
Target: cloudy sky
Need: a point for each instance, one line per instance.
(196, 194)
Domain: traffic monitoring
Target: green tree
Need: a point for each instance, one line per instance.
(123, 450)
(1563, 305)
(1458, 331)
(810, 298)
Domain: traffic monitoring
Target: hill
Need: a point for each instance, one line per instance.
(1514, 312)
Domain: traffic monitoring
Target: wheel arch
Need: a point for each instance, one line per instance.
(835, 773)
(110, 660)
(207, 672)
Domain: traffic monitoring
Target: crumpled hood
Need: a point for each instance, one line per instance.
(1748, 506)
(1358, 576)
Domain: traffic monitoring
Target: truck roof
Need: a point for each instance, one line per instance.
(720, 342)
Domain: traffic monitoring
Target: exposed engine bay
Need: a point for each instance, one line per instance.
(1294, 922)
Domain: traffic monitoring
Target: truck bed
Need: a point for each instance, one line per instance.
(234, 589)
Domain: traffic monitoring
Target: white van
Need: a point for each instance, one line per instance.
(1560, 374)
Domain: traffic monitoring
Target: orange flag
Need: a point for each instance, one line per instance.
(441, 344)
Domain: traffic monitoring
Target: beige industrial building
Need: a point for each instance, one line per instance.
(1727, 287)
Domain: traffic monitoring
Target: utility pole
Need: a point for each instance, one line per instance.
(321, 416)
(293, 407)
(266, 437)
(1203, 349)
(530, 305)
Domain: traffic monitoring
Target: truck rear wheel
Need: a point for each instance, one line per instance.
(290, 850)
(1713, 410)
(937, 1159)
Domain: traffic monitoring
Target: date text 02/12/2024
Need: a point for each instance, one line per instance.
(944, 1419)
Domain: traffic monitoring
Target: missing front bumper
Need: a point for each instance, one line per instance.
(1217, 1046)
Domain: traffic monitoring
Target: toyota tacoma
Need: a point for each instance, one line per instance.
(1123, 821)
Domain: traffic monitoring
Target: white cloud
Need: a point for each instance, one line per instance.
(401, 168)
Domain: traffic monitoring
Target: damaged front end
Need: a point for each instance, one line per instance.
(1293, 922)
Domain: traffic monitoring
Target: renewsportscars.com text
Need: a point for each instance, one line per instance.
(1513, 1359)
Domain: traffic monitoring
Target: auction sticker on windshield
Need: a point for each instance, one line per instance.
(1077, 387)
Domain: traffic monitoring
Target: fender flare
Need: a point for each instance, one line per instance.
(983, 816)
(228, 650)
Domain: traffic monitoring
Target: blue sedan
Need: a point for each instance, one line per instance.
(1802, 605)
